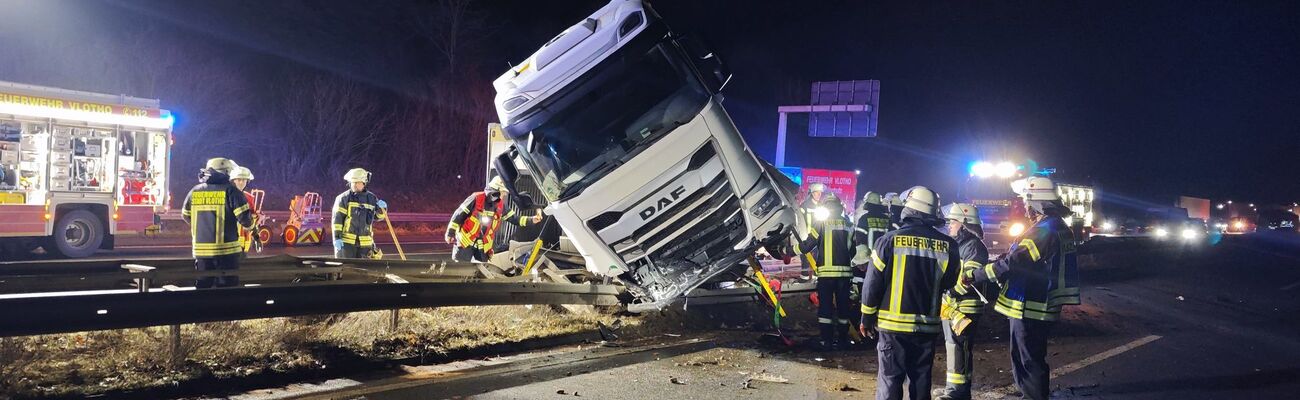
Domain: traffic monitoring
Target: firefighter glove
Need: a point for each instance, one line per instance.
(338, 245)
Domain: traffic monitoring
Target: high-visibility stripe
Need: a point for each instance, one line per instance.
(896, 283)
(824, 321)
(869, 310)
(957, 379)
(875, 260)
(906, 317)
(903, 327)
(991, 272)
(843, 321)
(241, 210)
(1029, 245)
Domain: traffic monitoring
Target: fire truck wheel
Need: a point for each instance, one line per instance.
(77, 233)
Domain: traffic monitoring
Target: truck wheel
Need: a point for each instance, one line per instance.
(77, 233)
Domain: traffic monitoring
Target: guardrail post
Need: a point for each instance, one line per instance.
(145, 279)
(393, 316)
(177, 358)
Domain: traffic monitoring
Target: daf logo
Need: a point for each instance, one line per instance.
(663, 203)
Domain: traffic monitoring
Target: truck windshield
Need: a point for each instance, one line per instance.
(611, 113)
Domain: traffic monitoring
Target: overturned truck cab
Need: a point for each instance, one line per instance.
(620, 122)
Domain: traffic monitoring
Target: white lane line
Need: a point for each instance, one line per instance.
(1096, 358)
(1004, 391)
(1291, 286)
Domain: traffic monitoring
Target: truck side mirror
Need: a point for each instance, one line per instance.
(504, 164)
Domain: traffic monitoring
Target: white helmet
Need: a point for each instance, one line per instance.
(357, 175)
(224, 165)
(242, 173)
(921, 199)
(1035, 188)
(497, 184)
(964, 212)
(817, 187)
(871, 198)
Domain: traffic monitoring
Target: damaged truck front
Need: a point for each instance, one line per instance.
(620, 122)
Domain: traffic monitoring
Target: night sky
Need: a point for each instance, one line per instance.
(1148, 100)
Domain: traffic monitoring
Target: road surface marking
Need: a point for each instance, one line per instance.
(1291, 286)
(1096, 358)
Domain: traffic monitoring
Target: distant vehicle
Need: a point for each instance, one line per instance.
(79, 168)
(1172, 223)
(1278, 220)
(619, 120)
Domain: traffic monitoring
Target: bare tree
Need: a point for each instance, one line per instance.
(329, 125)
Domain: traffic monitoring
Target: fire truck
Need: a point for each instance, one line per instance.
(78, 168)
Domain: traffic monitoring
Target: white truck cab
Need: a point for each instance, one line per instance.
(620, 121)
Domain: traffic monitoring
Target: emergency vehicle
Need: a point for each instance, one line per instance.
(78, 168)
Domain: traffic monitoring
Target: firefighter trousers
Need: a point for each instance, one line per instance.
(960, 357)
(834, 309)
(354, 251)
(1029, 357)
(468, 254)
(227, 262)
(904, 359)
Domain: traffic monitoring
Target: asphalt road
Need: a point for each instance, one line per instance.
(1201, 322)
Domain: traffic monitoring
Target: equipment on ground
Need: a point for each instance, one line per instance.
(305, 224)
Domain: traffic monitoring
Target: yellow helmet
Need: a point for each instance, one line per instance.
(242, 173)
(357, 175)
(222, 164)
(497, 184)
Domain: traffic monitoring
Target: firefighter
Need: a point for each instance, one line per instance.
(215, 211)
(355, 211)
(816, 193)
(829, 243)
(240, 178)
(911, 267)
(964, 227)
(1039, 274)
(474, 225)
(894, 207)
(872, 223)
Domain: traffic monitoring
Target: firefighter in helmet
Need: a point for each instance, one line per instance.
(911, 266)
(216, 210)
(829, 241)
(355, 211)
(474, 225)
(1039, 275)
(963, 226)
(240, 178)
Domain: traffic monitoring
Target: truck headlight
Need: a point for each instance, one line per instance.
(1162, 232)
(1107, 226)
(1189, 233)
(766, 204)
(1016, 229)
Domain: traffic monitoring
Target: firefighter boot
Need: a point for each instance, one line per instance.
(827, 341)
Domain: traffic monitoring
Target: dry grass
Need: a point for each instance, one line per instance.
(88, 363)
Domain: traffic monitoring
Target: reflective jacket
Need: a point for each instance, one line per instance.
(215, 211)
(974, 255)
(1039, 274)
(912, 267)
(476, 221)
(354, 213)
(831, 245)
(872, 224)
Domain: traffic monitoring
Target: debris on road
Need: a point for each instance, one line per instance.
(676, 381)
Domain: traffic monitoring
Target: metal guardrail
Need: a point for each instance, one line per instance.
(74, 313)
(397, 217)
(73, 296)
